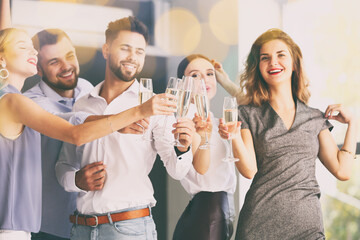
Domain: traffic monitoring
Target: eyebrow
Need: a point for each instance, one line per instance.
(52, 59)
(199, 70)
(127, 45)
(280, 51)
(56, 58)
(70, 53)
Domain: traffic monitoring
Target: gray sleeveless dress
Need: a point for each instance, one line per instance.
(283, 200)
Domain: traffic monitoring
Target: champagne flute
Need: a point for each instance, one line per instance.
(145, 93)
(202, 105)
(183, 103)
(231, 118)
(171, 88)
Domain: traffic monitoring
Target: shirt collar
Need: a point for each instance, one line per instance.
(10, 89)
(133, 89)
(49, 92)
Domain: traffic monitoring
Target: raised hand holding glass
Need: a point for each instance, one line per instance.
(202, 105)
(230, 114)
(145, 93)
(183, 103)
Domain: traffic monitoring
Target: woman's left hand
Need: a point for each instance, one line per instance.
(343, 116)
(203, 127)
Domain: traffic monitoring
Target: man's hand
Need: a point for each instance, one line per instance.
(91, 177)
(160, 104)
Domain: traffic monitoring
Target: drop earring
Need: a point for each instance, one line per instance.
(4, 73)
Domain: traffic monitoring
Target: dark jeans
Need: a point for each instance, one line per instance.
(207, 217)
(45, 236)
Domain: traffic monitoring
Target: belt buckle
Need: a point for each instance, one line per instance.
(96, 221)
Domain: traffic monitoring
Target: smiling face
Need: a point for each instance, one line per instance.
(202, 69)
(125, 55)
(19, 55)
(58, 65)
(276, 65)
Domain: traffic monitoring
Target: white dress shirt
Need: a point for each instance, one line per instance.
(220, 175)
(127, 157)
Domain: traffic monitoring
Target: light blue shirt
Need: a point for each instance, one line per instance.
(20, 179)
(57, 204)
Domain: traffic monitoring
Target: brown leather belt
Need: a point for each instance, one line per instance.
(94, 220)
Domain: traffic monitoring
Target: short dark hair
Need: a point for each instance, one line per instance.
(186, 61)
(48, 37)
(126, 24)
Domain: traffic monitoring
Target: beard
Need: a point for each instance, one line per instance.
(61, 85)
(122, 74)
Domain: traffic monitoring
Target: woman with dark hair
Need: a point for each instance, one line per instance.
(283, 136)
(210, 182)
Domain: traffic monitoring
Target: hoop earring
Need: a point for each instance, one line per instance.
(4, 73)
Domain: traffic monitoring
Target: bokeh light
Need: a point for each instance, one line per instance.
(85, 57)
(177, 32)
(211, 46)
(223, 19)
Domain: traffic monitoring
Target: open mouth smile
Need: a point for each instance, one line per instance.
(275, 71)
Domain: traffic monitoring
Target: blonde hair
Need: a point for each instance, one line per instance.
(6, 36)
(253, 87)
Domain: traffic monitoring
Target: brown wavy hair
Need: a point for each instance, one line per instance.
(253, 87)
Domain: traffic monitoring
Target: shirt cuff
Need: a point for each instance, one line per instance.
(179, 153)
(184, 155)
(70, 185)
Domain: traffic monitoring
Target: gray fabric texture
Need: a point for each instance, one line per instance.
(283, 200)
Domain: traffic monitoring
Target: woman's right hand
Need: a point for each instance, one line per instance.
(159, 104)
(224, 130)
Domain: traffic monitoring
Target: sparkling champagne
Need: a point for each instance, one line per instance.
(172, 91)
(144, 96)
(183, 103)
(230, 116)
(202, 105)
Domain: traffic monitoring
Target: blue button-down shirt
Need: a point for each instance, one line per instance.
(57, 204)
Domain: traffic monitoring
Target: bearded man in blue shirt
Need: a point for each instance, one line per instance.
(57, 92)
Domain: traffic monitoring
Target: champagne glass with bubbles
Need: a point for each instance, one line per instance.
(230, 114)
(171, 88)
(145, 93)
(202, 105)
(183, 103)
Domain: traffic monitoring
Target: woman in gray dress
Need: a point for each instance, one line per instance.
(284, 137)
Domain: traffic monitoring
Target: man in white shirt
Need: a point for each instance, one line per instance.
(115, 194)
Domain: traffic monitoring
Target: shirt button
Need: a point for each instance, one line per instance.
(180, 158)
